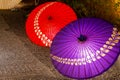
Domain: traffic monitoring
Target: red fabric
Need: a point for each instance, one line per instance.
(51, 20)
(30, 26)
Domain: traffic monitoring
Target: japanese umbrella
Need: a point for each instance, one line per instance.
(85, 48)
(46, 20)
(8, 4)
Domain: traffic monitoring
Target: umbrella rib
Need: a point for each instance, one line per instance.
(98, 60)
(87, 49)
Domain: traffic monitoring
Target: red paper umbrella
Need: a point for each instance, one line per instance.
(46, 20)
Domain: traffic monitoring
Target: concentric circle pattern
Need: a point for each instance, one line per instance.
(85, 48)
(46, 20)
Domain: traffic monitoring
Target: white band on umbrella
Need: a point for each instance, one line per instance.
(112, 41)
(37, 29)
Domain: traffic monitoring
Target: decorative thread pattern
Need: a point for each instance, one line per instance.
(37, 29)
(110, 43)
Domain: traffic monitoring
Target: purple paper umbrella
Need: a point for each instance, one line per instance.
(85, 48)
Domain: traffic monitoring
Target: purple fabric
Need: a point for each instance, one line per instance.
(85, 56)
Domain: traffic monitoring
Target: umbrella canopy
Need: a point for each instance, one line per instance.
(46, 20)
(8, 4)
(85, 48)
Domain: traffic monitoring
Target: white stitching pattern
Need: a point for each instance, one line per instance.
(114, 39)
(37, 29)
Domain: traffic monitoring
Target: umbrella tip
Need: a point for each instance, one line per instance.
(82, 38)
(50, 18)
